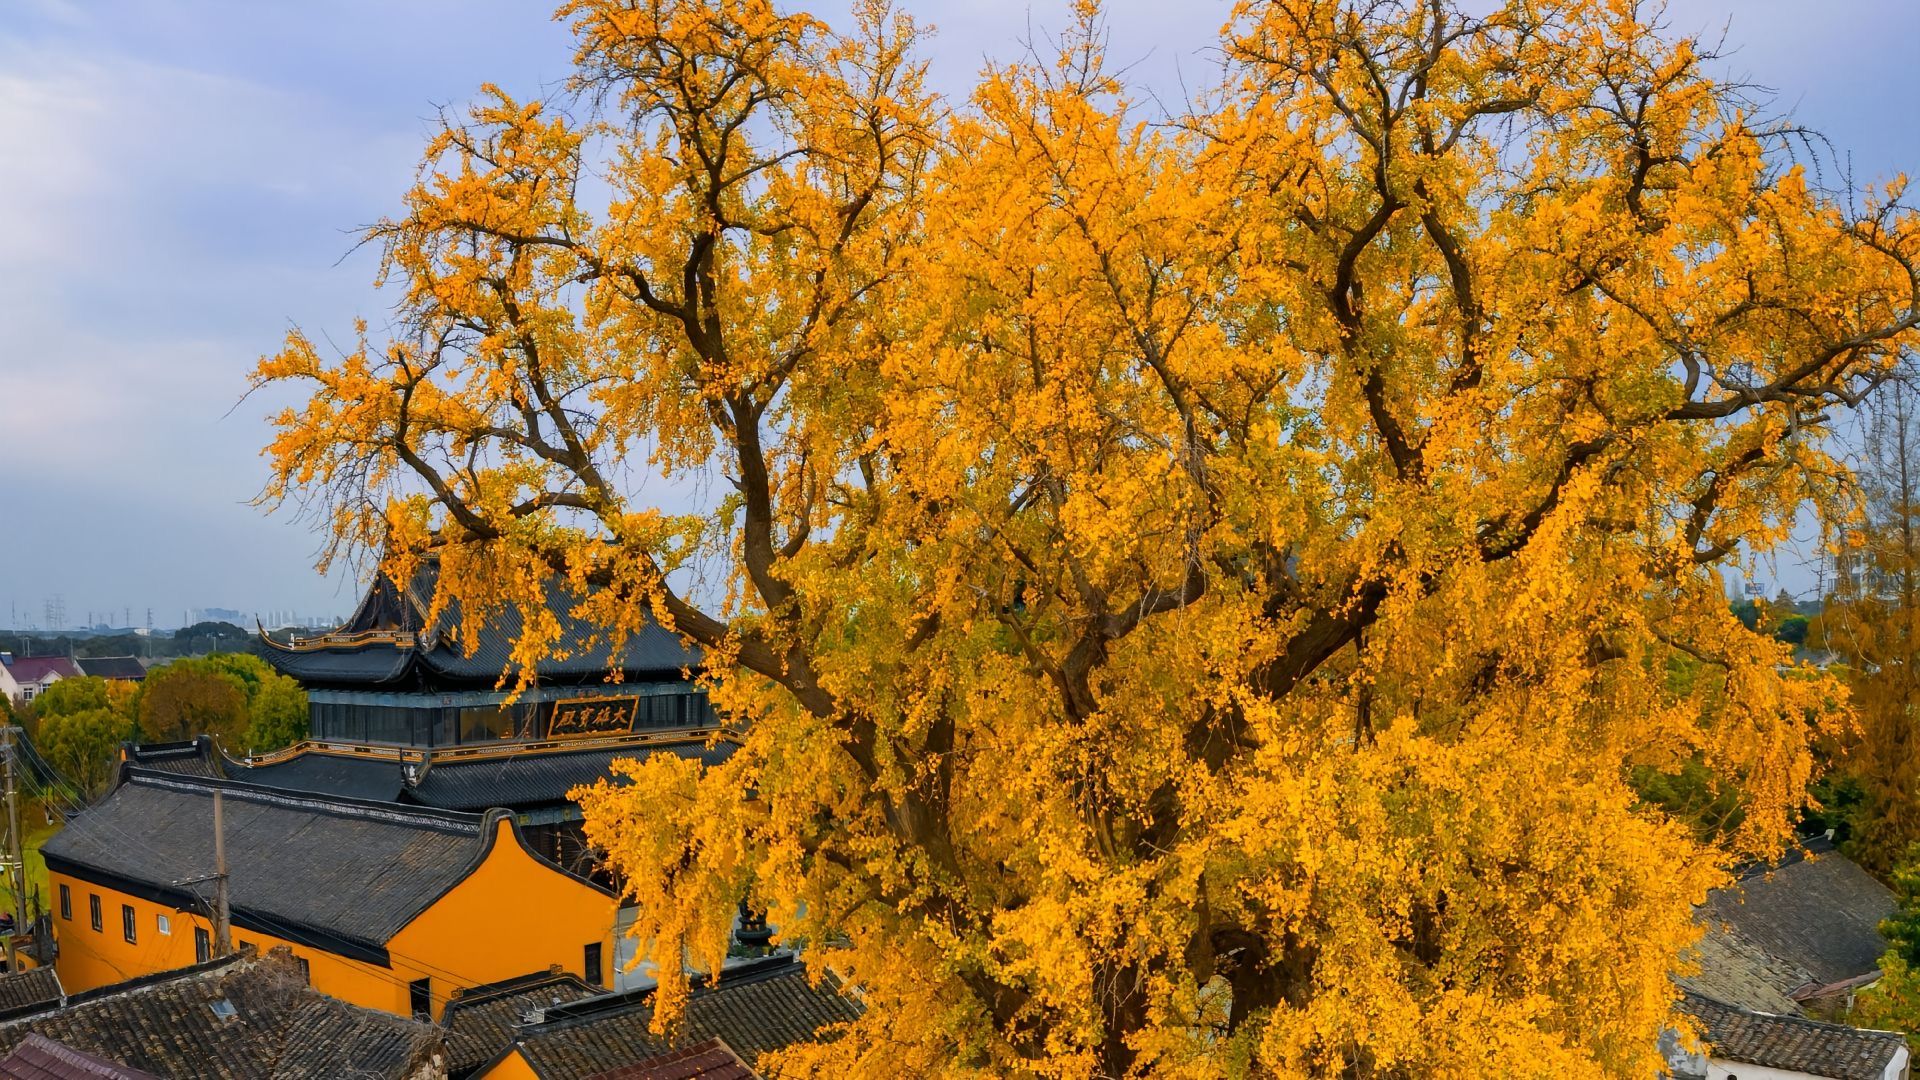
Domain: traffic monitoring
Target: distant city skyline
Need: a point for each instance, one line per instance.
(185, 178)
(50, 617)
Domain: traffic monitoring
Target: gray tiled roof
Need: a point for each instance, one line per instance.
(192, 758)
(355, 871)
(374, 665)
(506, 779)
(481, 1020)
(710, 1060)
(767, 1005)
(1736, 971)
(27, 990)
(528, 778)
(279, 1028)
(378, 778)
(1793, 1043)
(1819, 914)
(581, 652)
(113, 667)
(40, 1058)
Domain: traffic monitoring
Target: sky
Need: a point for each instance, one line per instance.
(182, 181)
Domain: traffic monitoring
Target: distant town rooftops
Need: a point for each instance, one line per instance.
(34, 669)
(1794, 1043)
(388, 640)
(335, 888)
(128, 668)
(244, 1015)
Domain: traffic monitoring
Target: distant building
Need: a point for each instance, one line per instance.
(34, 674)
(113, 668)
(388, 907)
(246, 1015)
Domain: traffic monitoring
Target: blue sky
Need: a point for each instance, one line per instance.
(180, 182)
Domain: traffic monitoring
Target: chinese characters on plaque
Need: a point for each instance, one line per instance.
(591, 716)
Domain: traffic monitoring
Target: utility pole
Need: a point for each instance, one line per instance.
(222, 916)
(16, 861)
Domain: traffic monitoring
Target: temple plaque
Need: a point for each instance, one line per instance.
(578, 718)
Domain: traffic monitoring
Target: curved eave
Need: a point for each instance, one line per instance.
(372, 664)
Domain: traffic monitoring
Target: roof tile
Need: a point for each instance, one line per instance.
(280, 1029)
(321, 863)
(1793, 1043)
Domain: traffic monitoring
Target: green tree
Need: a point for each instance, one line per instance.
(249, 670)
(191, 697)
(83, 745)
(1872, 621)
(1893, 1003)
(69, 696)
(278, 714)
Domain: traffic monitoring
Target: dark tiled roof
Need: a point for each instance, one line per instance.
(375, 664)
(1792, 1043)
(377, 778)
(481, 1020)
(28, 669)
(268, 1023)
(1820, 914)
(193, 758)
(526, 779)
(710, 1060)
(510, 779)
(113, 667)
(581, 651)
(1736, 971)
(758, 1007)
(40, 1058)
(356, 872)
(25, 991)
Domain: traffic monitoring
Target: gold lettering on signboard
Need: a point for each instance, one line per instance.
(579, 717)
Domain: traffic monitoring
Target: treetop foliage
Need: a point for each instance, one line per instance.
(1198, 586)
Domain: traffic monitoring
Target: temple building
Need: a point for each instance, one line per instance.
(388, 907)
(388, 678)
(402, 712)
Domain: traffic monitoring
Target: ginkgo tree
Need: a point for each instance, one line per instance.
(1191, 586)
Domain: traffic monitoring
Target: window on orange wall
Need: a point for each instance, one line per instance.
(420, 999)
(163, 924)
(202, 945)
(66, 903)
(93, 909)
(127, 929)
(592, 965)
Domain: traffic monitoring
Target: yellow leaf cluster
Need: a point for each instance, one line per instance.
(1192, 588)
